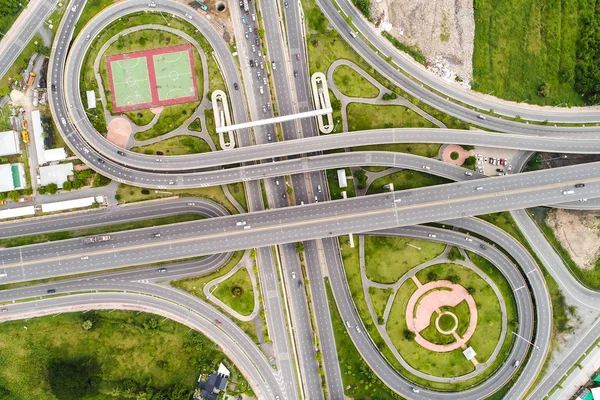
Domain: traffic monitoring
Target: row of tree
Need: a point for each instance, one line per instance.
(587, 70)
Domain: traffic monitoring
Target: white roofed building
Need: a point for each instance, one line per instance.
(12, 177)
(9, 143)
(55, 174)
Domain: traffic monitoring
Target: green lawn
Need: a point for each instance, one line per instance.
(123, 355)
(521, 45)
(434, 336)
(130, 194)
(388, 258)
(418, 149)
(237, 292)
(455, 254)
(238, 192)
(140, 117)
(211, 128)
(359, 380)
(379, 299)
(196, 125)
(336, 105)
(448, 364)
(405, 179)
(489, 322)
(175, 146)
(462, 313)
(52, 236)
(363, 116)
(353, 84)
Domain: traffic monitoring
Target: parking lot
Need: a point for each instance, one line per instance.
(492, 161)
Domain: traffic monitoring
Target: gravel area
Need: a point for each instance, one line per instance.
(444, 31)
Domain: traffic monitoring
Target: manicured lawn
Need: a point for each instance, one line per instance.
(359, 380)
(418, 149)
(406, 179)
(352, 84)
(336, 105)
(379, 299)
(334, 189)
(124, 355)
(446, 322)
(130, 194)
(238, 192)
(448, 364)
(176, 146)
(455, 254)
(363, 116)
(140, 117)
(52, 236)
(196, 125)
(237, 292)
(388, 258)
(171, 117)
(211, 128)
(489, 322)
(462, 313)
(433, 335)
(521, 45)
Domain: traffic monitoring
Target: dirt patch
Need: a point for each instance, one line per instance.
(119, 130)
(578, 232)
(444, 31)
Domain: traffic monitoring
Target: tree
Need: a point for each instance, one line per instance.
(299, 247)
(4, 91)
(544, 90)
(42, 190)
(52, 188)
(361, 176)
(14, 195)
(87, 325)
(17, 78)
(67, 186)
(409, 335)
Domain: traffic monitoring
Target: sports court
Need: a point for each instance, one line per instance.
(152, 78)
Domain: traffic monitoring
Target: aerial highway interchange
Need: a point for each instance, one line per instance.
(273, 227)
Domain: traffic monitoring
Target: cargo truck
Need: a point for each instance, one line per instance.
(96, 239)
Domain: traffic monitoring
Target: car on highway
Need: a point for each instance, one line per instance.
(216, 320)
(269, 137)
(253, 17)
(188, 16)
(468, 173)
(516, 364)
(255, 30)
(119, 152)
(246, 35)
(426, 167)
(101, 161)
(88, 37)
(240, 223)
(297, 57)
(158, 160)
(284, 196)
(481, 116)
(251, 63)
(191, 204)
(53, 87)
(156, 234)
(286, 4)
(4, 310)
(152, 4)
(74, 8)
(295, 73)
(567, 192)
(268, 106)
(171, 182)
(235, 86)
(264, 109)
(265, 81)
(63, 121)
(293, 274)
(348, 324)
(479, 188)
(261, 90)
(253, 48)
(84, 257)
(273, 65)
(353, 34)
(256, 41)
(483, 246)
(162, 270)
(415, 390)
(579, 185)
(468, 239)
(50, 291)
(432, 235)
(357, 329)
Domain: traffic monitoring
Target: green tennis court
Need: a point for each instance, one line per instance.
(174, 76)
(130, 81)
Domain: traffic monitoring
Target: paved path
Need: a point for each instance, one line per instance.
(442, 258)
(246, 263)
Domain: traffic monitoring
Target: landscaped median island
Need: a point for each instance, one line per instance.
(441, 318)
(352, 84)
(105, 355)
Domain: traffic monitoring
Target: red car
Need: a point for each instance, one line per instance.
(4, 310)
(297, 56)
(218, 322)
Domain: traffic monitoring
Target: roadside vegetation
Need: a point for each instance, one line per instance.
(379, 299)
(236, 291)
(360, 382)
(131, 194)
(175, 146)
(387, 258)
(538, 52)
(362, 116)
(405, 179)
(352, 84)
(107, 355)
(334, 189)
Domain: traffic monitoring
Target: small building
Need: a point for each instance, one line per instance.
(91, 99)
(469, 353)
(215, 384)
(57, 174)
(38, 136)
(55, 155)
(9, 143)
(12, 177)
(342, 181)
(68, 204)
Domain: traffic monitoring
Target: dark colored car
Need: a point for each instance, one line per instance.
(51, 291)
(160, 153)
(297, 56)
(53, 87)
(256, 31)
(256, 41)
(252, 63)
(483, 246)
(235, 86)
(101, 161)
(295, 74)
(120, 153)
(580, 185)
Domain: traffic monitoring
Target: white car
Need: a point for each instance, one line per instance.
(348, 324)
(431, 235)
(468, 239)
(293, 275)
(426, 167)
(188, 16)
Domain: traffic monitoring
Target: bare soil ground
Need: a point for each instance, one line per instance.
(444, 31)
(578, 232)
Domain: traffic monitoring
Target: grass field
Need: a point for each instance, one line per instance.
(175, 146)
(363, 116)
(131, 194)
(521, 45)
(241, 302)
(238, 192)
(359, 380)
(406, 179)
(433, 335)
(124, 355)
(352, 84)
(379, 299)
(334, 189)
(388, 258)
(448, 364)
